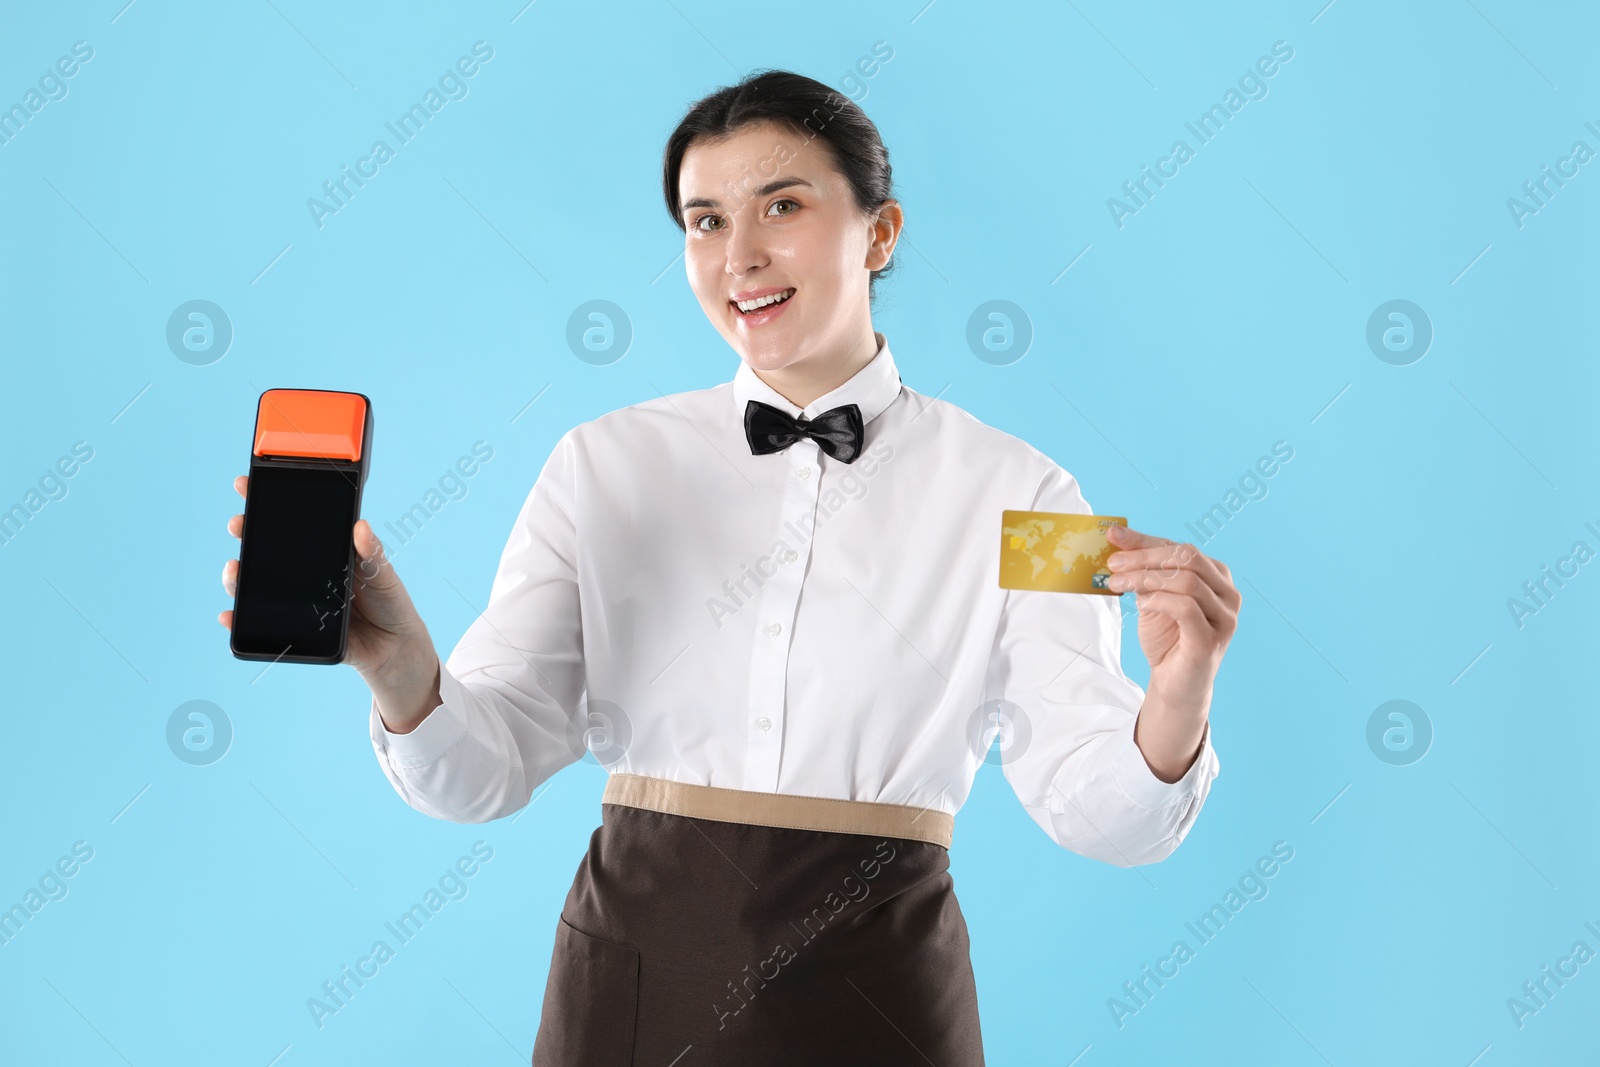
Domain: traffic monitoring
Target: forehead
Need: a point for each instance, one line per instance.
(763, 150)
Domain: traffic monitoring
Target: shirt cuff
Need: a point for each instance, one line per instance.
(435, 735)
(1138, 781)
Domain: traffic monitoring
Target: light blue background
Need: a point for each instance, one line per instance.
(1228, 314)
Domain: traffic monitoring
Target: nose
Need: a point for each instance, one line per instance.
(746, 251)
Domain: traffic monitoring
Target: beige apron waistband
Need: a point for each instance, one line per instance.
(785, 810)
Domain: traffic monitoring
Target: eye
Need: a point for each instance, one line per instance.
(785, 200)
(702, 218)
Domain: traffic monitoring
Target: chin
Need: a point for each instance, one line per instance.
(765, 355)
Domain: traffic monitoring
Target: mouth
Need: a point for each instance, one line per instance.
(763, 308)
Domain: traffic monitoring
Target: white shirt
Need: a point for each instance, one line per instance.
(791, 623)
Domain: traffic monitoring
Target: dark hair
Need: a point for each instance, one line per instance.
(806, 106)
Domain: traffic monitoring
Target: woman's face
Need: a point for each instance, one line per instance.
(766, 213)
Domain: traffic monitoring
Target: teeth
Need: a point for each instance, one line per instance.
(748, 306)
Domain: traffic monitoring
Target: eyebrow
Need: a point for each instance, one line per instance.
(771, 187)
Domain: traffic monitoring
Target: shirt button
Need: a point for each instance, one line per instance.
(774, 628)
(804, 472)
(764, 722)
(790, 556)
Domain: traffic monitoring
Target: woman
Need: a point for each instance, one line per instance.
(769, 608)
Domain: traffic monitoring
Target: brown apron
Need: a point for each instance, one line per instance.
(692, 938)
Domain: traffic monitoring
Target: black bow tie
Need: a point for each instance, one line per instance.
(838, 430)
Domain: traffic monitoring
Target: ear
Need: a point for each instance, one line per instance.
(883, 233)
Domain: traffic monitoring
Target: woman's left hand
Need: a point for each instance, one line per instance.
(1188, 611)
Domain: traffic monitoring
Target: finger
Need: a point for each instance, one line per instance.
(230, 577)
(1229, 591)
(226, 618)
(1211, 572)
(372, 565)
(1128, 537)
(241, 484)
(1184, 583)
(1170, 558)
(236, 526)
(1225, 587)
(1180, 609)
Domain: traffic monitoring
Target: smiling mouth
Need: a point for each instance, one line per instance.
(750, 307)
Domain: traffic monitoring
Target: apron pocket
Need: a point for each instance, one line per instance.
(591, 1002)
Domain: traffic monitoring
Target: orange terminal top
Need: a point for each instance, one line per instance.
(310, 422)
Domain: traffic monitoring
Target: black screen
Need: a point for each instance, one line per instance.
(294, 579)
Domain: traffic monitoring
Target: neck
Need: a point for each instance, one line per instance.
(803, 383)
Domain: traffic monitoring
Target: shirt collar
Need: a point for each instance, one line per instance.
(872, 389)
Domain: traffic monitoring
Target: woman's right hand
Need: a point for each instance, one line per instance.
(388, 642)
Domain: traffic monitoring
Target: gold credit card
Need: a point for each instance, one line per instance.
(1057, 552)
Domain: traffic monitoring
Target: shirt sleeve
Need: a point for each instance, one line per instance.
(511, 688)
(1056, 676)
